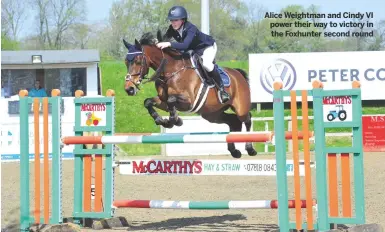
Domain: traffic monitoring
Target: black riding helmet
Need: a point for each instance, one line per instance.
(177, 12)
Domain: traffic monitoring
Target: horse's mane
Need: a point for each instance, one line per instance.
(149, 38)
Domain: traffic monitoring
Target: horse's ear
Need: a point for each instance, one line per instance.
(137, 45)
(159, 36)
(126, 44)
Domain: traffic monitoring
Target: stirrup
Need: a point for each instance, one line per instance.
(221, 99)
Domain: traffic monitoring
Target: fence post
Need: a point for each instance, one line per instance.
(24, 161)
(280, 156)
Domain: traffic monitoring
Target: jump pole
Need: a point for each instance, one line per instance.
(288, 134)
(205, 205)
(160, 139)
(175, 138)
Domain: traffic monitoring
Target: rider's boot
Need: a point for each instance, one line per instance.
(224, 96)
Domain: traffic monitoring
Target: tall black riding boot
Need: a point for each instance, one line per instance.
(218, 80)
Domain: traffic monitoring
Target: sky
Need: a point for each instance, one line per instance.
(98, 10)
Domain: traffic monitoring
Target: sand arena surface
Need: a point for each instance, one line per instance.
(195, 188)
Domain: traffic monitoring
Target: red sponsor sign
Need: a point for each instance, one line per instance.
(337, 100)
(166, 166)
(93, 107)
(373, 133)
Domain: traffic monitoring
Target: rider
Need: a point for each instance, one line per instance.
(188, 37)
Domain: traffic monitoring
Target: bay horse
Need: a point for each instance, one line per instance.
(181, 85)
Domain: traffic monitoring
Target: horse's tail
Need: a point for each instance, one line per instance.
(244, 74)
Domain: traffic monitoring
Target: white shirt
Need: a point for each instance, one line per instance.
(180, 30)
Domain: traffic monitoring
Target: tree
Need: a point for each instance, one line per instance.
(55, 18)
(79, 35)
(7, 43)
(378, 41)
(13, 14)
(255, 32)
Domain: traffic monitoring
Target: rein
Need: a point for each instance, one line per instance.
(168, 76)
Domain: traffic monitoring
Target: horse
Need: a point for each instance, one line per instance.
(181, 84)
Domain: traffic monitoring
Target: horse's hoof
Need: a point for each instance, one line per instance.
(250, 149)
(179, 122)
(251, 152)
(167, 124)
(236, 154)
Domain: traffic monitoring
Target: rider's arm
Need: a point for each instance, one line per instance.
(186, 42)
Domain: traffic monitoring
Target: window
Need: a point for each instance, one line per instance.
(13, 80)
(68, 80)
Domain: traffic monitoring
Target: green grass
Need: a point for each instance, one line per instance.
(131, 116)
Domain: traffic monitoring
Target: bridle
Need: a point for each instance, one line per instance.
(140, 73)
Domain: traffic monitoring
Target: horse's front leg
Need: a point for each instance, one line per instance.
(149, 103)
(174, 118)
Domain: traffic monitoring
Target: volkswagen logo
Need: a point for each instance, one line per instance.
(281, 70)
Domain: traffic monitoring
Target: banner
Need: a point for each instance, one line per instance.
(337, 70)
(206, 167)
(373, 133)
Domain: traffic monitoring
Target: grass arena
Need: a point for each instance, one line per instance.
(254, 201)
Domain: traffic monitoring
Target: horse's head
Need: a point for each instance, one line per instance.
(141, 56)
(137, 67)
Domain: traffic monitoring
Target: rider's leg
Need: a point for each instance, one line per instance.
(208, 58)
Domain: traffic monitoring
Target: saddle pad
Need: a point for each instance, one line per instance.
(224, 76)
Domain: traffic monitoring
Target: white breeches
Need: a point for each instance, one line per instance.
(209, 56)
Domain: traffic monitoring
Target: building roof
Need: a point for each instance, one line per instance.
(50, 56)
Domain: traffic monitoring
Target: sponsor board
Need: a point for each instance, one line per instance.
(205, 167)
(93, 114)
(373, 133)
(336, 70)
(338, 109)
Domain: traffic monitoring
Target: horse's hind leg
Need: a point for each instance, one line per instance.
(234, 124)
(249, 145)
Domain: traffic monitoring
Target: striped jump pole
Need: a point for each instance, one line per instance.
(205, 205)
(170, 138)
(233, 137)
(288, 134)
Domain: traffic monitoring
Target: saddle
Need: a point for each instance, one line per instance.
(207, 82)
(198, 64)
